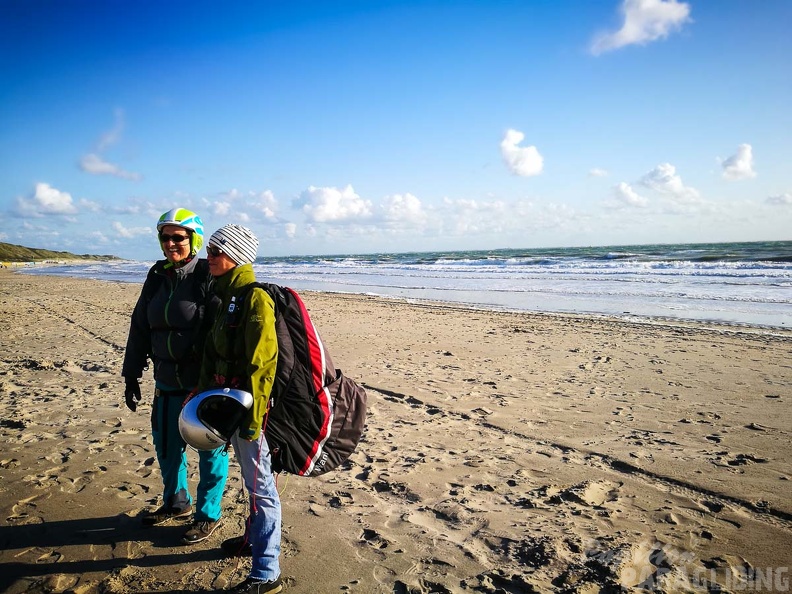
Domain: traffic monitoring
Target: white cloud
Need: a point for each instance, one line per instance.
(493, 218)
(46, 200)
(626, 194)
(290, 229)
(265, 203)
(89, 205)
(644, 21)
(780, 199)
(221, 208)
(113, 135)
(740, 165)
(597, 172)
(664, 179)
(333, 205)
(97, 237)
(525, 161)
(129, 232)
(403, 207)
(95, 165)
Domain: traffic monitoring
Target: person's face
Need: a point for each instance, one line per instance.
(219, 262)
(176, 246)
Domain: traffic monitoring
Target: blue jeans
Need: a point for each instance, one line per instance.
(172, 458)
(264, 523)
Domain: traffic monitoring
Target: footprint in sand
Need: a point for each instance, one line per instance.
(21, 512)
(340, 499)
(82, 481)
(61, 582)
(146, 468)
(127, 490)
(50, 557)
(373, 538)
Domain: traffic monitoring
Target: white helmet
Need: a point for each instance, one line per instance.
(209, 419)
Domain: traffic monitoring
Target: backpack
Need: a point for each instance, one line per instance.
(316, 414)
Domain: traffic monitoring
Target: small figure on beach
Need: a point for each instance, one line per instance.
(171, 319)
(242, 352)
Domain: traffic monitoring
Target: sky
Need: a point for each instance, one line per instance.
(365, 126)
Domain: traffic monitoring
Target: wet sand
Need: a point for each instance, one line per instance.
(503, 453)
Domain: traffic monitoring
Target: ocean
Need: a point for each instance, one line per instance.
(734, 283)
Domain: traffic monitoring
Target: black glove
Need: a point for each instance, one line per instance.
(132, 393)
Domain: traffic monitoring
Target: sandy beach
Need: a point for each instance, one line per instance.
(504, 453)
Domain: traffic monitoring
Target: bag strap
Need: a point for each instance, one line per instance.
(233, 313)
(232, 321)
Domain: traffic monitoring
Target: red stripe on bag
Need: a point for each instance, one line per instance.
(317, 357)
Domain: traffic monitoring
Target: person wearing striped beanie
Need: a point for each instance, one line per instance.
(241, 352)
(237, 242)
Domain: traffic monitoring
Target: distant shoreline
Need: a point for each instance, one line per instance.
(61, 262)
(707, 326)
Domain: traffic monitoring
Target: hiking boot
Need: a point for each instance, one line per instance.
(251, 586)
(200, 531)
(239, 546)
(165, 514)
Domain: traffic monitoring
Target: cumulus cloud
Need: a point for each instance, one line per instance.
(333, 205)
(290, 229)
(644, 21)
(624, 193)
(239, 203)
(525, 161)
(597, 172)
(664, 179)
(46, 200)
(784, 199)
(265, 203)
(403, 207)
(740, 165)
(221, 208)
(95, 165)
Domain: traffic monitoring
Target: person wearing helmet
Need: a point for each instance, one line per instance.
(246, 359)
(169, 325)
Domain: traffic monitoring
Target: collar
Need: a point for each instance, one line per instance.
(180, 269)
(233, 281)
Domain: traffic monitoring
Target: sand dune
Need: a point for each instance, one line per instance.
(504, 453)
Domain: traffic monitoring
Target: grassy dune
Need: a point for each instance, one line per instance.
(18, 253)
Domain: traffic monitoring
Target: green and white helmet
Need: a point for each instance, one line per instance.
(186, 219)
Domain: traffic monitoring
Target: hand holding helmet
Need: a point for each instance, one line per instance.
(209, 419)
(132, 393)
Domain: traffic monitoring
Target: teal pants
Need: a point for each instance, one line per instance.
(172, 458)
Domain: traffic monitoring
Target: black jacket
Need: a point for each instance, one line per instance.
(169, 324)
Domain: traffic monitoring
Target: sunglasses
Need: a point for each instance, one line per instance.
(213, 251)
(174, 238)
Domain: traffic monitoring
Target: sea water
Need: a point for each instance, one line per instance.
(736, 283)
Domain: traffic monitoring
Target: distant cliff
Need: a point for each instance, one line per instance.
(18, 253)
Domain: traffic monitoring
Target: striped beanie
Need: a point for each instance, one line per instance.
(237, 242)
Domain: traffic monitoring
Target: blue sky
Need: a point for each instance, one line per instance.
(368, 126)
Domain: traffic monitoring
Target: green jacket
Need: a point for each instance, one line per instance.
(250, 363)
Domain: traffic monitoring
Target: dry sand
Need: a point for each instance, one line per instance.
(504, 453)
